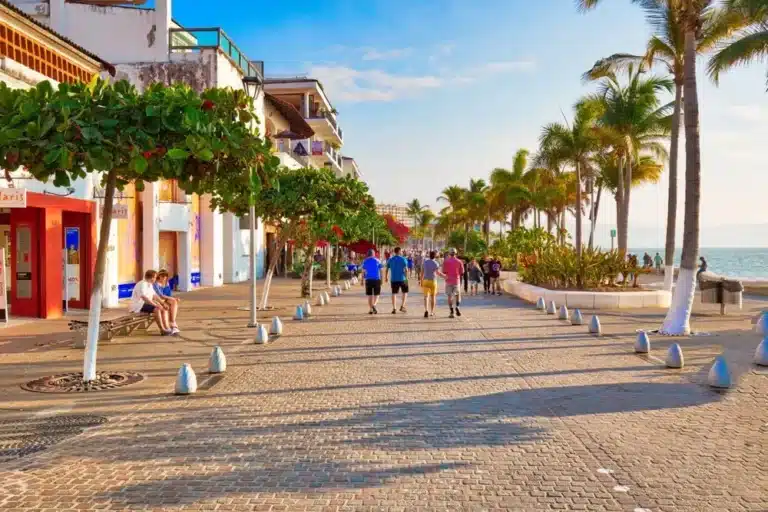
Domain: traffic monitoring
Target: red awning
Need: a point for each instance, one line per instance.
(360, 247)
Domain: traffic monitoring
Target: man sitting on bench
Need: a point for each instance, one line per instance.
(163, 292)
(144, 300)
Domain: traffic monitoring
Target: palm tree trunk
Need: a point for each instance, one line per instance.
(488, 230)
(678, 320)
(624, 220)
(620, 203)
(669, 247)
(595, 210)
(578, 212)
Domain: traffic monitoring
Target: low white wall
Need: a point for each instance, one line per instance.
(590, 300)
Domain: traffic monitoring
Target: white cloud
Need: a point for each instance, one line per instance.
(746, 112)
(442, 50)
(395, 53)
(489, 69)
(348, 84)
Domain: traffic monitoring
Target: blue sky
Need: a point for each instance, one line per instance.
(435, 92)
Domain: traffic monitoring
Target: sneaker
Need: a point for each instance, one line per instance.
(166, 333)
(394, 311)
(403, 310)
(458, 312)
(370, 311)
(375, 311)
(175, 331)
(426, 314)
(451, 315)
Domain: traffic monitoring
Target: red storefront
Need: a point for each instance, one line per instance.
(39, 235)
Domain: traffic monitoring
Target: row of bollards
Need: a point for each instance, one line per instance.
(563, 314)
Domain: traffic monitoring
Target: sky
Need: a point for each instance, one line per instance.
(431, 93)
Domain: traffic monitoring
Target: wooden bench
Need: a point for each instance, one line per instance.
(121, 326)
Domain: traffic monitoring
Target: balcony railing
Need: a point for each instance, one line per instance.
(196, 39)
(329, 117)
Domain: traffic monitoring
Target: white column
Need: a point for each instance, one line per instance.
(211, 244)
(150, 236)
(184, 244)
(163, 22)
(305, 113)
(231, 249)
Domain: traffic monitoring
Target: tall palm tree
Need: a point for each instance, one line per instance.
(691, 15)
(423, 223)
(507, 190)
(632, 120)
(455, 213)
(749, 44)
(575, 144)
(476, 202)
(666, 49)
(414, 209)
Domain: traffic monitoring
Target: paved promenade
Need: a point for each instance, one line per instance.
(502, 409)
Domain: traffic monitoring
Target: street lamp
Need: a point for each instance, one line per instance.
(253, 86)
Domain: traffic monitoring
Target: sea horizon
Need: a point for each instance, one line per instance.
(747, 263)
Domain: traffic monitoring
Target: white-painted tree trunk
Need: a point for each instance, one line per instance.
(92, 345)
(265, 290)
(669, 277)
(677, 321)
(328, 265)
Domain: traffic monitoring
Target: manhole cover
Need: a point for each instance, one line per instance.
(73, 382)
(29, 435)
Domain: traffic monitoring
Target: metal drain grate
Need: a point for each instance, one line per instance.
(30, 435)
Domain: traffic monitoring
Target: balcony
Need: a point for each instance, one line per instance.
(186, 40)
(290, 158)
(332, 159)
(325, 124)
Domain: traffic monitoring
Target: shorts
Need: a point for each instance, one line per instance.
(373, 287)
(399, 286)
(147, 308)
(452, 289)
(429, 287)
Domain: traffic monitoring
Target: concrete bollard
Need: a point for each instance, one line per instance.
(262, 336)
(760, 325)
(335, 291)
(327, 297)
(761, 353)
(675, 356)
(321, 300)
(299, 313)
(594, 326)
(551, 308)
(277, 326)
(576, 318)
(719, 375)
(642, 343)
(307, 309)
(540, 304)
(217, 363)
(563, 313)
(186, 380)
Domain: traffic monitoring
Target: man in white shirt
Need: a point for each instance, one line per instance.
(145, 300)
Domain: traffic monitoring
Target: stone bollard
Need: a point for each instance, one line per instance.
(327, 297)
(307, 309)
(576, 318)
(262, 336)
(563, 313)
(299, 313)
(217, 363)
(551, 308)
(186, 380)
(594, 326)
(760, 325)
(540, 304)
(675, 356)
(719, 375)
(335, 291)
(277, 326)
(761, 353)
(321, 299)
(642, 343)
(346, 285)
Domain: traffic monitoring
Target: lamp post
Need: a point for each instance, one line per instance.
(253, 86)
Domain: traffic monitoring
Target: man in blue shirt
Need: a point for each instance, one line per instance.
(372, 276)
(398, 267)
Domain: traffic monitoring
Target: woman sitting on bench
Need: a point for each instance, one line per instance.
(144, 300)
(163, 291)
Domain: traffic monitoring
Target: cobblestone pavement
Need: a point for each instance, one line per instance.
(504, 408)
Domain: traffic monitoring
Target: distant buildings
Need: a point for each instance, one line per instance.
(398, 212)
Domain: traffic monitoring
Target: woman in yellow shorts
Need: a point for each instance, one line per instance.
(431, 270)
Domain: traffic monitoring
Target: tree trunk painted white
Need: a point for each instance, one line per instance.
(669, 247)
(94, 315)
(252, 261)
(328, 266)
(678, 317)
(578, 211)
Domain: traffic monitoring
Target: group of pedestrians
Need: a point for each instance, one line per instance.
(454, 269)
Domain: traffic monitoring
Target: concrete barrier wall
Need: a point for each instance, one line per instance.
(590, 300)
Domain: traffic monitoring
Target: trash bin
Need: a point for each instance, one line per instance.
(717, 289)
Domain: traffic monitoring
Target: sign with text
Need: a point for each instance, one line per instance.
(120, 211)
(13, 198)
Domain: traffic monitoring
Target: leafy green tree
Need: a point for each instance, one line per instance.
(204, 141)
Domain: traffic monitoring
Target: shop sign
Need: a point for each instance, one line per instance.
(13, 198)
(119, 211)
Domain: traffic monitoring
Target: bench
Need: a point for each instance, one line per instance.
(121, 326)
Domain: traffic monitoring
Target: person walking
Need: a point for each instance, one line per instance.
(372, 279)
(465, 276)
(429, 283)
(659, 262)
(398, 267)
(475, 276)
(495, 275)
(418, 264)
(453, 268)
(486, 274)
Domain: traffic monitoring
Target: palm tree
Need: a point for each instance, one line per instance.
(575, 144)
(507, 191)
(414, 209)
(476, 202)
(691, 15)
(456, 213)
(666, 49)
(749, 44)
(423, 222)
(631, 120)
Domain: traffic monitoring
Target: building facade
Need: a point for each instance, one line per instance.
(398, 212)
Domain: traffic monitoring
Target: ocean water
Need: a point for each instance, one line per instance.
(746, 263)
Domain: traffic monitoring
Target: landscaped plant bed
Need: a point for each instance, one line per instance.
(73, 382)
(617, 289)
(614, 298)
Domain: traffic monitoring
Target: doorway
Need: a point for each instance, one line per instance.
(25, 262)
(75, 243)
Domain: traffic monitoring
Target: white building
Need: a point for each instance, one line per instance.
(398, 212)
